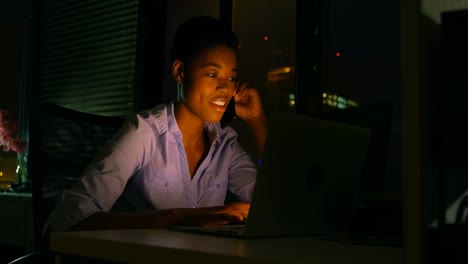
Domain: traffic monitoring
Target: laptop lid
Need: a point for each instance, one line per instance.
(309, 174)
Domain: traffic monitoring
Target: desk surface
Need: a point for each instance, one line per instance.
(160, 245)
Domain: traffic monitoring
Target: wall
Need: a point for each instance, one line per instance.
(439, 245)
(431, 105)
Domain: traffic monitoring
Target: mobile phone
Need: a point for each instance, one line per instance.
(229, 114)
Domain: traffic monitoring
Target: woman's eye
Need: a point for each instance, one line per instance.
(213, 75)
(232, 79)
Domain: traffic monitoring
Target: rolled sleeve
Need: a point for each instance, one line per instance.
(72, 207)
(242, 174)
(104, 180)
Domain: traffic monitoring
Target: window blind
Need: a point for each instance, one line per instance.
(87, 51)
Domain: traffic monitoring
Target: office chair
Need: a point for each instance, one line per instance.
(62, 143)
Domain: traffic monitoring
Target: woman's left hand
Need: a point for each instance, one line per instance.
(249, 106)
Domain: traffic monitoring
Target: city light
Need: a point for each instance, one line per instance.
(282, 73)
(292, 100)
(338, 101)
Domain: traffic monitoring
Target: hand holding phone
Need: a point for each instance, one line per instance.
(229, 114)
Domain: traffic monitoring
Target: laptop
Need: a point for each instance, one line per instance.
(309, 173)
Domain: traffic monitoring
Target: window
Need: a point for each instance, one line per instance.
(87, 53)
(267, 34)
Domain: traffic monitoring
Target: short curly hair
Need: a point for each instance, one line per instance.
(199, 33)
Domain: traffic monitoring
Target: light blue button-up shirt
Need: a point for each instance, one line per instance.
(144, 166)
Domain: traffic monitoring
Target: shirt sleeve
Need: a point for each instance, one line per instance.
(103, 181)
(242, 174)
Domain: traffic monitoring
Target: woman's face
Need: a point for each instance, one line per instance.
(209, 82)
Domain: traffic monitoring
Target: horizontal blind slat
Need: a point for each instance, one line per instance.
(101, 53)
(82, 37)
(68, 11)
(82, 71)
(95, 84)
(80, 64)
(88, 27)
(74, 78)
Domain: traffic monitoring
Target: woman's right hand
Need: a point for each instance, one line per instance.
(211, 216)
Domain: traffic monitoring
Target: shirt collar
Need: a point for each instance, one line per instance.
(213, 129)
(172, 126)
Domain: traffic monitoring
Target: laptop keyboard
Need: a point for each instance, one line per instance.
(229, 227)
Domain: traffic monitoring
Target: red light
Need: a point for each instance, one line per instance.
(266, 38)
(338, 54)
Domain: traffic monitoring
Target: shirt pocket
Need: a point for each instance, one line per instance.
(214, 193)
(165, 193)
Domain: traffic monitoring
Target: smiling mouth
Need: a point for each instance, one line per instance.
(219, 102)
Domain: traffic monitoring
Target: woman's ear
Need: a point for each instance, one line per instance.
(178, 70)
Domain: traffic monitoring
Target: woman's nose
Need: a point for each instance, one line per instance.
(223, 84)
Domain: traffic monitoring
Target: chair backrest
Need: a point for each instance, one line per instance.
(66, 142)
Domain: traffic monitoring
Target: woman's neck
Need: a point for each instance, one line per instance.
(191, 127)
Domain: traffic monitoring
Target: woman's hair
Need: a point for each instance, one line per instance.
(199, 33)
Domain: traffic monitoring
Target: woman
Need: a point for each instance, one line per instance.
(174, 164)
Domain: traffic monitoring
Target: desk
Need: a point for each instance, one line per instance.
(169, 246)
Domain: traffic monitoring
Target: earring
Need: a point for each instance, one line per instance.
(180, 88)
